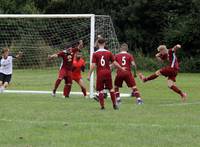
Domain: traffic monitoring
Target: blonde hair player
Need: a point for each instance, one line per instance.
(170, 71)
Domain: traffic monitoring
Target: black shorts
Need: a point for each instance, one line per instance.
(5, 78)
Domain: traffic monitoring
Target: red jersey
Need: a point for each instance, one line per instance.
(171, 58)
(67, 56)
(124, 59)
(78, 65)
(102, 58)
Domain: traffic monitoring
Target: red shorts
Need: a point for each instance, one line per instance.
(66, 75)
(124, 76)
(169, 72)
(76, 77)
(104, 81)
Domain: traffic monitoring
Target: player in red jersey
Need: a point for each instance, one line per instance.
(169, 71)
(65, 71)
(78, 66)
(126, 60)
(102, 59)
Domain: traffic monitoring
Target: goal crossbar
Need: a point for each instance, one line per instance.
(46, 15)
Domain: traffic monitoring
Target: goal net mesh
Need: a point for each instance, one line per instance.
(39, 37)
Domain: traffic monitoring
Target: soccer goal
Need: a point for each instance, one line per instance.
(37, 36)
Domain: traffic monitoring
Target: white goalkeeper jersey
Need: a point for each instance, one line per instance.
(6, 65)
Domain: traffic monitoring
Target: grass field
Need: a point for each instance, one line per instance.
(28, 120)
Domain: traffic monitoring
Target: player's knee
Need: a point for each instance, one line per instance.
(5, 84)
(170, 83)
(157, 72)
(112, 90)
(134, 87)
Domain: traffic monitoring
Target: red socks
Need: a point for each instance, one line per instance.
(67, 90)
(136, 92)
(176, 89)
(151, 77)
(113, 98)
(117, 92)
(57, 83)
(101, 99)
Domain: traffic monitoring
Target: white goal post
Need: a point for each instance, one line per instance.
(95, 28)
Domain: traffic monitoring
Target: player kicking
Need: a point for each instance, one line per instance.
(102, 59)
(6, 68)
(169, 71)
(126, 60)
(65, 71)
(78, 66)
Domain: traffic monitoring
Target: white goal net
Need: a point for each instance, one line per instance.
(38, 36)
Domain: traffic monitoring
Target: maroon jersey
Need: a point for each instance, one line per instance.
(171, 58)
(102, 58)
(67, 56)
(124, 59)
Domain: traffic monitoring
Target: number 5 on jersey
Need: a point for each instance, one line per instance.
(124, 60)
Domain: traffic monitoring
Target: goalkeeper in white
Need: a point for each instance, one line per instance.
(6, 68)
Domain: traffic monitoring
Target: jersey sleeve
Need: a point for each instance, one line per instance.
(74, 50)
(112, 57)
(60, 54)
(131, 58)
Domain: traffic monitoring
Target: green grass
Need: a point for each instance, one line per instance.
(42, 121)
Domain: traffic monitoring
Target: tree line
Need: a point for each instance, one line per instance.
(143, 24)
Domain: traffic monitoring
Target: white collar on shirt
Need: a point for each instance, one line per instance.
(101, 50)
(123, 52)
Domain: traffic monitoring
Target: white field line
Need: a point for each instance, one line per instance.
(49, 92)
(180, 104)
(98, 124)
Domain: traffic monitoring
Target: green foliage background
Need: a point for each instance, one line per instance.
(143, 24)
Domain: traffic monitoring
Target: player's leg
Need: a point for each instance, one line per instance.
(82, 85)
(172, 86)
(1, 86)
(58, 81)
(6, 81)
(130, 81)
(99, 88)
(1, 81)
(108, 83)
(118, 84)
(68, 86)
(137, 95)
(151, 77)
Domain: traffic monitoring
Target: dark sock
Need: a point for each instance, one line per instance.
(176, 89)
(101, 99)
(57, 83)
(151, 77)
(67, 90)
(113, 98)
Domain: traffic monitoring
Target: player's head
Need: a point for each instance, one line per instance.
(101, 42)
(5, 52)
(78, 55)
(124, 47)
(162, 49)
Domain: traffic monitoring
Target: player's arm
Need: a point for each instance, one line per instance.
(158, 57)
(80, 45)
(176, 47)
(92, 67)
(118, 66)
(134, 68)
(52, 56)
(19, 55)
